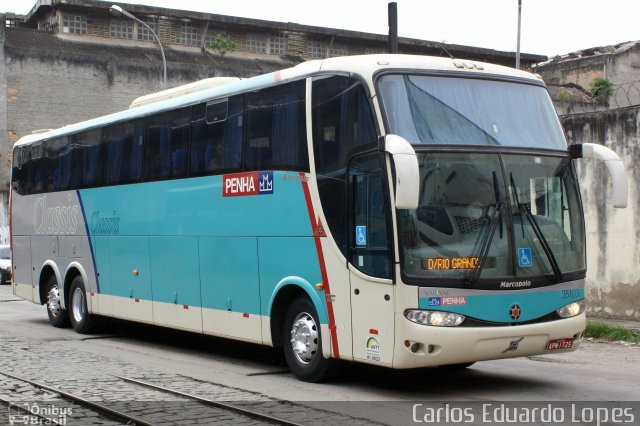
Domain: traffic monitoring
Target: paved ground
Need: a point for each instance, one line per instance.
(222, 369)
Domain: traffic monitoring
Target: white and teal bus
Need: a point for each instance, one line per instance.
(403, 211)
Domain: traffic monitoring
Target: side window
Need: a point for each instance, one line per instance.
(369, 233)
(167, 145)
(88, 159)
(35, 168)
(58, 163)
(18, 170)
(123, 144)
(342, 122)
(276, 133)
(216, 136)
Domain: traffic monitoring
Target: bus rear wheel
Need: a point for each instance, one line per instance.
(303, 342)
(58, 317)
(81, 320)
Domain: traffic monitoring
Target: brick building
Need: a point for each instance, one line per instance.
(70, 60)
(568, 77)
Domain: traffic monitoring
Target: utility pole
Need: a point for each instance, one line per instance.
(518, 44)
(393, 27)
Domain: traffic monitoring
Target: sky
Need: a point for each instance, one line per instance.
(549, 27)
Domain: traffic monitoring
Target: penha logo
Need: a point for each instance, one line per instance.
(55, 220)
(251, 183)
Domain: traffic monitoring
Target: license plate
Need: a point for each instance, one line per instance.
(557, 344)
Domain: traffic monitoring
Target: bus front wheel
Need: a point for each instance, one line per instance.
(81, 320)
(58, 317)
(303, 342)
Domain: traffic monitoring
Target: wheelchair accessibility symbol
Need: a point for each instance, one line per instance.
(361, 235)
(524, 257)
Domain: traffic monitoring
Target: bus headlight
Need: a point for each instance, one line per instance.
(572, 309)
(435, 318)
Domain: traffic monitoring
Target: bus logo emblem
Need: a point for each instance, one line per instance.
(514, 312)
(250, 183)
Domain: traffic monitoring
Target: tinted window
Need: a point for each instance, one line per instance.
(216, 146)
(88, 159)
(124, 143)
(18, 172)
(368, 230)
(167, 145)
(35, 168)
(342, 122)
(58, 161)
(276, 131)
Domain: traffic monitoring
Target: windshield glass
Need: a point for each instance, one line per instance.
(484, 216)
(464, 111)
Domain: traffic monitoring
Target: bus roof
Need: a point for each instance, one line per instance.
(364, 65)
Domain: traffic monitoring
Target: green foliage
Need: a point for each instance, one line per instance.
(599, 330)
(223, 44)
(564, 96)
(600, 87)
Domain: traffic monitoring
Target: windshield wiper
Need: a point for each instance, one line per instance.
(488, 237)
(526, 212)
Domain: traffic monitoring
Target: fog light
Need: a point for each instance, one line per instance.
(572, 309)
(435, 318)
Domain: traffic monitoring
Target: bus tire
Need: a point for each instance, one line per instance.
(303, 342)
(81, 320)
(58, 317)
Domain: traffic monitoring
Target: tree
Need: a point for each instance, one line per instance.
(222, 44)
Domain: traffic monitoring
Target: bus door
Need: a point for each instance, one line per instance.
(370, 261)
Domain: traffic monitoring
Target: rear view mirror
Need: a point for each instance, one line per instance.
(614, 165)
(407, 171)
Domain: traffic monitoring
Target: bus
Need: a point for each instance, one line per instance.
(397, 210)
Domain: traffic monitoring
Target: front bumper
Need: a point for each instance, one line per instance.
(431, 346)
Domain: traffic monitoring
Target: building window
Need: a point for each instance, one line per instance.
(189, 34)
(279, 44)
(211, 35)
(373, 50)
(338, 49)
(74, 24)
(121, 28)
(13, 22)
(315, 47)
(144, 33)
(257, 43)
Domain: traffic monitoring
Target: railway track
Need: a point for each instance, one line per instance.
(120, 415)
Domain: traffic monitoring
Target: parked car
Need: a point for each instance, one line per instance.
(5, 264)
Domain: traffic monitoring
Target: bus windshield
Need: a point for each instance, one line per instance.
(490, 215)
(463, 111)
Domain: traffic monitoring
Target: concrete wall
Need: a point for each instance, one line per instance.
(613, 235)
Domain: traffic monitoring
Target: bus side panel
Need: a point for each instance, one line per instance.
(176, 290)
(22, 278)
(40, 253)
(102, 252)
(295, 259)
(131, 278)
(230, 287)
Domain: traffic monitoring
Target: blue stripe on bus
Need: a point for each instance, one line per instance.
(91, 249)
(495, 307)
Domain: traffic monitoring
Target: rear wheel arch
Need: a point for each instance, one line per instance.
(48, 269)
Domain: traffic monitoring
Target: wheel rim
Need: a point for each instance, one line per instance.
(53, 304)
(77, 305)
(304, 338)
